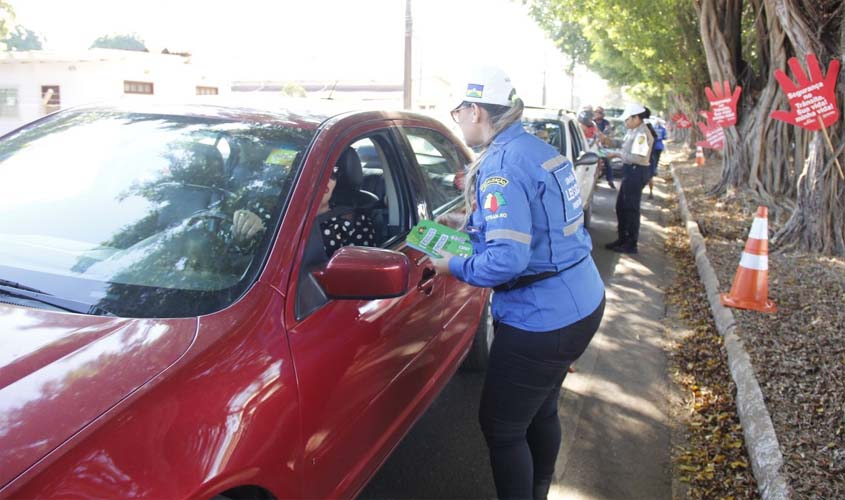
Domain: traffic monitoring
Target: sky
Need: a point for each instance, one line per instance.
(360, 40)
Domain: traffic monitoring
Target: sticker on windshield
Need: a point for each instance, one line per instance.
(281, 157)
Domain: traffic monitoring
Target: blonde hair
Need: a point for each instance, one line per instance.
(501, 117)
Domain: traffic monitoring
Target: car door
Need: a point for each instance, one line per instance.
(587, 174)
(352, 357)
(442, 164)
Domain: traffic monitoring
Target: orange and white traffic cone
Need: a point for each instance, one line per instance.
(750, 289)
(699, 156)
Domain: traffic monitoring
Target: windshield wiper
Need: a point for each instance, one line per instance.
(12, 289)
(13, 284)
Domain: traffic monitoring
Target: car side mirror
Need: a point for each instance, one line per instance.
(586, 158)
(365, 273)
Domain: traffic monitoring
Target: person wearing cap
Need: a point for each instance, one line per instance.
(657, 150)
(588, 126)
(526, 222)
(606, 130)
(636, 161)
(601, 122)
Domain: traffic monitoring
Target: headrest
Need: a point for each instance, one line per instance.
(350, 175)
(205, 162)
(350, 178)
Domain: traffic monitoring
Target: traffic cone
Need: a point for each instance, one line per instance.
(750, 289)
(699, 156)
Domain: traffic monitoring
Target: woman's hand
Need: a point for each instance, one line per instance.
(246, 224)
(441, 265)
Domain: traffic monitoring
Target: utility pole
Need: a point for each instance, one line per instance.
(409, 31)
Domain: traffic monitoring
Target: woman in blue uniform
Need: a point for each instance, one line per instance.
(526, 222)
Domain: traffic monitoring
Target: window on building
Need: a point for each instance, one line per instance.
(8, 102)
(130, 87)
(206, 90)
(55, 101)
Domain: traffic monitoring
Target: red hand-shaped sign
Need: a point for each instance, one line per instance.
(714, 136)
(681, 120)
(723, 103)
(810, 99)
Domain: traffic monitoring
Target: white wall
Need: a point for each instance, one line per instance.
(98, 79)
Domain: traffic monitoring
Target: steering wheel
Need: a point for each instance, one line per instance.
(218, 221)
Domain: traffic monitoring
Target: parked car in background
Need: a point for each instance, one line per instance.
(149, 351)
(561, 130)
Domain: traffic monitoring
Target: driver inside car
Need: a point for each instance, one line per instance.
(337, 229)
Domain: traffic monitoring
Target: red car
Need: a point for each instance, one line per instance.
(151, 348)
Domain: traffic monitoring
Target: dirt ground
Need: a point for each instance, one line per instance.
(798, 352)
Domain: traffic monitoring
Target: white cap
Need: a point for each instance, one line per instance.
(486, 84)
(631, 110)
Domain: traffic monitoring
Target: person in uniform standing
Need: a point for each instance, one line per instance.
(656, 151)
(526, 223)
(636, 162)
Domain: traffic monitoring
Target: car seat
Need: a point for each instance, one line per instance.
(348, 192)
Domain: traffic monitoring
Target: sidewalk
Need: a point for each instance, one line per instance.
(615, 408)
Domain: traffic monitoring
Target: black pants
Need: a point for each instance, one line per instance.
(628, 203)
(518, 412)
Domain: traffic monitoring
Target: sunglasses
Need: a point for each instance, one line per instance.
(456, 113)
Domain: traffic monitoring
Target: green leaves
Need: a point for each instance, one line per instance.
(641, 45)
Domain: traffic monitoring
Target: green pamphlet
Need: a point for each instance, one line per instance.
(430, 237)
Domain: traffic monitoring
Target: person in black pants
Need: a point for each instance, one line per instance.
(526, 225)
(636, 160)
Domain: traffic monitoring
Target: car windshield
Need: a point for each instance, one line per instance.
(133, 213)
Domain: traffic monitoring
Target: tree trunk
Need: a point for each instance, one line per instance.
(720, 34)
(818, 221)
(767, 143)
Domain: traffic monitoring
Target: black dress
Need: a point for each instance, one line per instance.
(340, 231)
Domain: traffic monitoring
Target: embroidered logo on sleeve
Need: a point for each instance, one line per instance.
(475, 91)
(494, 201)
(494, 181)
(640, 146)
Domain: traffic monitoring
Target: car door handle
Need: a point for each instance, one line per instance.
(426, 284)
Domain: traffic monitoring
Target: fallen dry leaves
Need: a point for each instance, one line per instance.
(798, 353)
(711, 461)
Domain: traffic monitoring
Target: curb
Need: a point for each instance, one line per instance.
(760, 439)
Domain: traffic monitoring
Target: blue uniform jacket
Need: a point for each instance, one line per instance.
(529, 220)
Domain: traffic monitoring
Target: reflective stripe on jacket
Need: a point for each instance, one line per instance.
(529, 220)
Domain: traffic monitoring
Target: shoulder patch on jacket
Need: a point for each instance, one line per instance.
(640, 145)
(494, 181)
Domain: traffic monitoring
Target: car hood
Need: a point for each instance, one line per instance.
(59, 372)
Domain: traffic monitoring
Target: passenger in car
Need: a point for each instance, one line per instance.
(342, 229)
(342, 217)
(529, 245)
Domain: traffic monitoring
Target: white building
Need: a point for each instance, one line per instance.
(38, 82)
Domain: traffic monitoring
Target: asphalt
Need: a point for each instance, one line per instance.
(614, 409)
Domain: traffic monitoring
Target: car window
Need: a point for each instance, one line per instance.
(575, 134)
(548, 131)
(134, 212)
(441, 165)
(379, 206)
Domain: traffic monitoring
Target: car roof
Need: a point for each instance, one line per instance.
(304, 113)
(533, 113)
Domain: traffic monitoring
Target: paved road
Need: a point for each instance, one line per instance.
(613, 412)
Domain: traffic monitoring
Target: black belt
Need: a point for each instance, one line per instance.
(524, 281)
